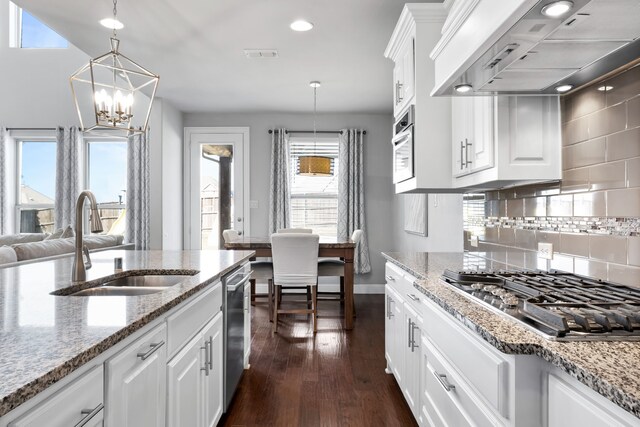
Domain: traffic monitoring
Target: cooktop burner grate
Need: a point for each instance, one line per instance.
(556, 304)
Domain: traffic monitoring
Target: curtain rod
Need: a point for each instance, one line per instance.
(364, 132)
(31, 128)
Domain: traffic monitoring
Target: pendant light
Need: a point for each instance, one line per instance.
(314, 165)
(108, 92)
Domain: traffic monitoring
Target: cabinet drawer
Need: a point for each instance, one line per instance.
(186, 322)
(457, 406)
(402, 283)
(82, 399)
(481, 366)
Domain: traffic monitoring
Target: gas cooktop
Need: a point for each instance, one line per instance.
(558, 305)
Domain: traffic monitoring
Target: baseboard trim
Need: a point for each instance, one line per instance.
(359, 288)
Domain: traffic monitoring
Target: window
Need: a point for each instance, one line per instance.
(107, 179)
(27, 32)
(314, 199)
(36, 185)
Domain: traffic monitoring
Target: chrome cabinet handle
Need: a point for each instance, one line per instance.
(414, 345)
(390, 278)
(389, 312)
(206, 358)
(410, 330)
(413, 297)
(442, 379)
(148, 353)
(88, 414)
(211, 352)
(461, 155)
(466, 152)
(240, 283)
(398, 88)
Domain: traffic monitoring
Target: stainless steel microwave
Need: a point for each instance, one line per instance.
(402, 141)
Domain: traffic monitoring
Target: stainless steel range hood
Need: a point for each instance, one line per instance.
(540, 53)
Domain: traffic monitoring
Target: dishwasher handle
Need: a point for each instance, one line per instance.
(233, 288)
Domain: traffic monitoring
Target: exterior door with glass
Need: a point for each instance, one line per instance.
(217, 185)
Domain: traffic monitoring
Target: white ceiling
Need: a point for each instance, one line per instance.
(196, 46)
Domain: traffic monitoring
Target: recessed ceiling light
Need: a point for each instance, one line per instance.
(605, 88)
(564, 88)
(557, 8)
(111, 23)
(314, 84)
(301, 25)
(463, 88)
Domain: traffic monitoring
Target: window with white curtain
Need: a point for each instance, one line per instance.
(314, 199)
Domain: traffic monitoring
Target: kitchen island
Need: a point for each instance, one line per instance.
(609, 368)
(44, 338)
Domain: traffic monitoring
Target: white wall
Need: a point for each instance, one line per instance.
(378, 187)
(34, 83)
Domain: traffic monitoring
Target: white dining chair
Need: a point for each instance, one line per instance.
(261, 270)
(295, 230)
(295, 264)
(334, 267)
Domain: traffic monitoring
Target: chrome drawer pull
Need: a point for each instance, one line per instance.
(88, 414)
(410, 329)
(414, 345)
(442, 379)
(390, 278)
(206, 358)
(211, 352)
(413, 297)
(389, 312)
(154, 347)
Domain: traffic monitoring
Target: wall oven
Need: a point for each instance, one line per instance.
(403, 147)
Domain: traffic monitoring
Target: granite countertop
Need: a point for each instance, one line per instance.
(610, 368)
(45, 337)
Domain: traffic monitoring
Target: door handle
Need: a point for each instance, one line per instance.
(88, 414)
(461, 155)
(206, 358)
(466, 152)
(152, 349)
(211, 352)
(389, 312)
(240, 283)
(413, 297)
(390, 278)
(409, 329)
(413, 336)
(442, 379)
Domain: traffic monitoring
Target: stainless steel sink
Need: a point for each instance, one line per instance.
(129, 285)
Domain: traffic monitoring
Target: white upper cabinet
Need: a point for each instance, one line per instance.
(505, 140)
(415, 35)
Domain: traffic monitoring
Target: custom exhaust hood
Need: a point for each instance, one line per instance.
(540, 52)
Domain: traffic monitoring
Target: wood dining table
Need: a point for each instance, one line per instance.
(328, 248)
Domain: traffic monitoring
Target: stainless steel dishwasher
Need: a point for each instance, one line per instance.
(233, 321)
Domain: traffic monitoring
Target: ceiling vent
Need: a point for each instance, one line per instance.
(260, 53)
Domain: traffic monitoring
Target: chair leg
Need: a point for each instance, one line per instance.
(341, 290)
(314, 302)
(309, 297)
(270, 298)
(274, 327)
(253, 291)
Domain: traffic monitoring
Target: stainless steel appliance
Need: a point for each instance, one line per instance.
(560, 306)
(403, 147)
(233, 323)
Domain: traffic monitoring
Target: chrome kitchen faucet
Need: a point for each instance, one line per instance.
(79, 273)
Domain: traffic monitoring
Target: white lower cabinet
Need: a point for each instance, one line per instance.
(572, 404)
(136, 382)
(411, 383)
(195, 379)
(79, 403)
(247, 324)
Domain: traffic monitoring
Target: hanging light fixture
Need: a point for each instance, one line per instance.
(314, 165)
(108, 92)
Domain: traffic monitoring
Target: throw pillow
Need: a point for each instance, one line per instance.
(68, 232)
(55, 235)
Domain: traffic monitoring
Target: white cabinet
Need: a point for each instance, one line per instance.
(417, 31)
(411, 383)
(394, 337)
(404, 76)
(505, 140)
(195, 379)
(80, 401)
(136, 382)
(247, 324)
(573, 404)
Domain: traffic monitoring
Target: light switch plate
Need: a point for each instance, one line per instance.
(253, 204)
(545, 250)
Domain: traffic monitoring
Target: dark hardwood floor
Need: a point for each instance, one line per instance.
(336, 378)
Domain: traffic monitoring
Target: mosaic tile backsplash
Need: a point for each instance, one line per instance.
(592, 217)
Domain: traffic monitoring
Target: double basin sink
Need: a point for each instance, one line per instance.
(131, 285)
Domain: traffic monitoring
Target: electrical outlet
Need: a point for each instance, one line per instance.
(545, 250)
(473, 241)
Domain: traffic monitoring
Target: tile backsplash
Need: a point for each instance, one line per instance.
(592, 217)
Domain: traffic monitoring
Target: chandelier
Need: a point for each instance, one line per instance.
(314, 165)
(108, 92)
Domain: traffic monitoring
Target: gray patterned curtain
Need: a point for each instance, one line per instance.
(279, 180)
(68, 161)
(137, 217)
(351, 194)
(4, 202)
